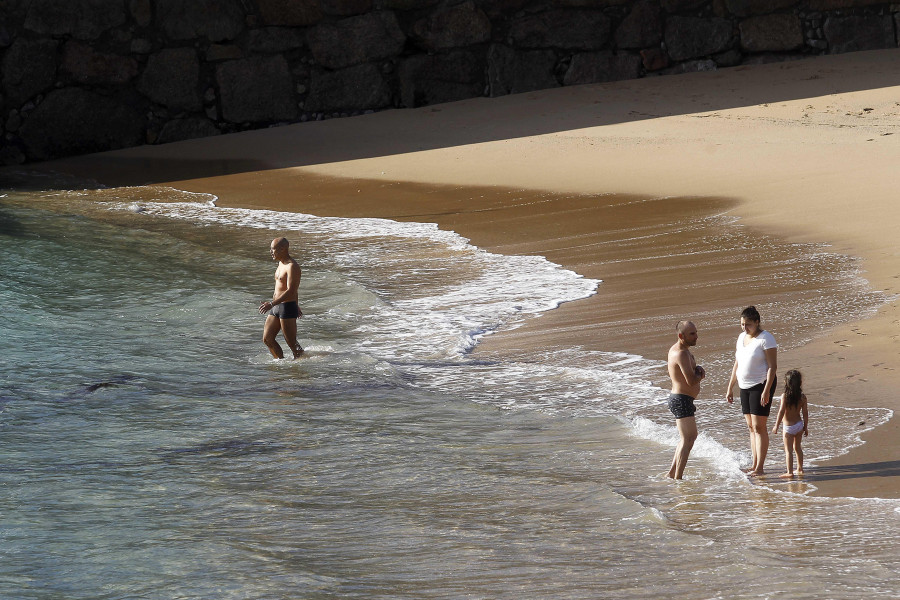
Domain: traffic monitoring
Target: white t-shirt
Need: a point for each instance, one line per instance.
(751, 359)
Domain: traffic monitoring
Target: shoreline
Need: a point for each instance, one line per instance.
(801, 150)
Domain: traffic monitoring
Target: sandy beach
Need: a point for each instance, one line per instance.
(801, 150)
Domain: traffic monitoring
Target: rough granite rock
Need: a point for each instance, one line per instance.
(216, 20)
(838, 4)
(75, 121)
(852, 33)
(85, 65)
(345, 8)
(354, 88)
(599, 67)
(172, 78)
(355, 40)
(29, 67)
(452, 27)
(747, 8)
(642, 28)
(404, 4)
(654, 59)
(440, 78)
(693, 37)
(290, 13)
(512, 72)
(256, 90)
(674, 6)
(567, 29)
(274, 40)
(142, 11)
(780, 32)
(82, 19)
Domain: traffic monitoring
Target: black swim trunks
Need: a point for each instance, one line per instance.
(751, 400)
(681, 405)
(286, 310)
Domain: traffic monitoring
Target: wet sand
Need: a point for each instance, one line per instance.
(802, 151)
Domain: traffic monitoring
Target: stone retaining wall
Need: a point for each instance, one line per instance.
(80, 76)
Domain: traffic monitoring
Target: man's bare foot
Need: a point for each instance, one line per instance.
(787, 475)
(756, 473)
(298, 352)
(800, 472)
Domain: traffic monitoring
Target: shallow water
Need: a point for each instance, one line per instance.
(152, 449)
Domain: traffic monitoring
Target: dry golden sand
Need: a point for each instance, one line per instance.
(804, 150)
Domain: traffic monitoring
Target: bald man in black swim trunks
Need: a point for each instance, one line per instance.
(686, 377)
(283, 309)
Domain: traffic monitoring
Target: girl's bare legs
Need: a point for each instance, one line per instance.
(799, 452)
(788, 455)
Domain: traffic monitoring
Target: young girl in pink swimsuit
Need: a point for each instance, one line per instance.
(794, 411)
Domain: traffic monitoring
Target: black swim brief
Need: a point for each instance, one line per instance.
(286, 310)
(681, 405)
(751, 400)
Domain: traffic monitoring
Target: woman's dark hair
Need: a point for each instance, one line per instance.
(750, 313)
(793, 387)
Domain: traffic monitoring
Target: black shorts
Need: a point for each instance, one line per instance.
(286, 310)
(681, 405)
(751, 399)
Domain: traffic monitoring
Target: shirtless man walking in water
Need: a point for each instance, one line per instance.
(686, 377)
(283, 309)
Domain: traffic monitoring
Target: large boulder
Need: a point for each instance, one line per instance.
(29, 67)
(355, 40)
(674, 6)
(406, 4)
(452, 27)
(75, 121)
(86, 65)
(838, 4)
(512, 72)
(142, 11)
(81, 19)
(567, 29)
(360, 87)
(852, 33)
(290, 13)
(432, 79)
(642, 28)
(256, 90)
(600, 67)
(274, 40)
(172, 78)
(345, 8)
(216, 20)
(746, 8)
(779, 32)
(694, 37)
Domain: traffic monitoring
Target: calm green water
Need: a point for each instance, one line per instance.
(150, 447)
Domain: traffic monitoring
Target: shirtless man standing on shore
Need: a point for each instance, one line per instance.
(686, 377)
(283, 309)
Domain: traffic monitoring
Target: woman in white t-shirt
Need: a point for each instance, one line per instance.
(755, 364)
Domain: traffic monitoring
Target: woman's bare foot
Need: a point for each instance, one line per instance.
(756, 473)
(787, 475)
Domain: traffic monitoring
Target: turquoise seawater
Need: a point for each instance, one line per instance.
(151, 448)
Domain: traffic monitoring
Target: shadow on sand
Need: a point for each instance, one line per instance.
(482, 120)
